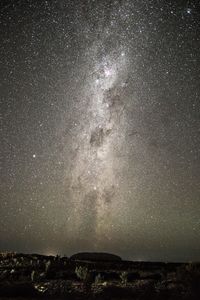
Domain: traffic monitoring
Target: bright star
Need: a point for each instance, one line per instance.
(107, 72)
(189, 11)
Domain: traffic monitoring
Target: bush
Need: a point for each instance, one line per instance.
(124, 277)
(82, 273)
(98, 279)
(47, 265)
(189, 275)
(33, 275)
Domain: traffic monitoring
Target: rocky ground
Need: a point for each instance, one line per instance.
(35, 276)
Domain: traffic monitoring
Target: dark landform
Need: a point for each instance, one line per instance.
(95, 276)
(93, 256)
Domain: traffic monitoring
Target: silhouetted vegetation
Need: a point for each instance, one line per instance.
(37, 275)
(82, 273)
(124, 277)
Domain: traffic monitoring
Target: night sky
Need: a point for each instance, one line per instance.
(100, 127)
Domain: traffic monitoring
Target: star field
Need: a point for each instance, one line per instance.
(101, 127)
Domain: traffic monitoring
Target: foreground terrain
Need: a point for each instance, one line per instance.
(101, 277)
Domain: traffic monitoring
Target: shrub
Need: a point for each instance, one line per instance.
(82, 273)
(98, 279)
(189, 274)
(33, 275)
(124, 277)
(47, 265)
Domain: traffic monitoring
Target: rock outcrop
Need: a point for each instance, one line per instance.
(93, 256)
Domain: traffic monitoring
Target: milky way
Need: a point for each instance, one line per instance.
(101, 128)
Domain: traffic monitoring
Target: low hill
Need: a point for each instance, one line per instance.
(95, 256)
